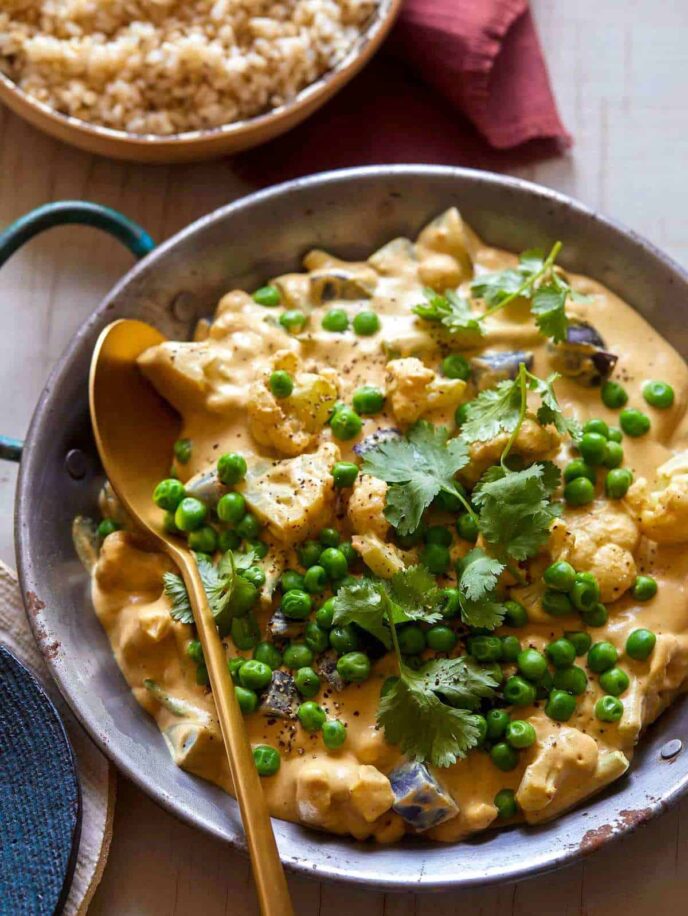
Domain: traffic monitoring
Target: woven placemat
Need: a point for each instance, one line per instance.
(96, 774)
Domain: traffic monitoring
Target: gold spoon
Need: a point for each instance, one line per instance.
(135, 430)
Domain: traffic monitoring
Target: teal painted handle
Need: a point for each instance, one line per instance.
(63, 213)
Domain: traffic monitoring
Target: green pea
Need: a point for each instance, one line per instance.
(456, 366)
(334, 734)
(438, 534)
(520, 734)
(325, 614)
(297, 655)
(578, 468)
(511, 647)
(245, 631)
(617, 483)
(234, 666)
(168, 494)
(560, 706)
(307, 682)
(366, 323)
(269, 654)
(519, 692)
(354, 667)
(296, 604)
(182, 450)
(532, 664)
(609, 709)
(644, 588)
(596, 426)
(267, 759)
(614, 455)
(290, 580)
(573, 680)
(248, 527)
(450, 603)
(343, 639)
(228, 540)
(202, 676)
(344, 474)
(504, 757)
(516, 615)
(231, 508)
(254, 575)
(329, 537)
(247, 700)
(350, 555)
(281, 383)
(436, 558)
(316, 638)
(345, 423)
(203, 540)
(107, 526)
(597, 616)
(481, 725)
(615, 434)
(368, 400)
(441, 638)
(585, 592)
(634, 422)
(260, 549)
(613, 395)
(602, 656)
(315, 580)
(497, 722)
(190, 514)
(335, 320)
(640, 644)
(461, 413)
(560, 576)
(450, 502)
(658, 394)
(557, 604)
(485, 648)
(195, 651)
(579, 492)
(293, 320)
(231, 468)
(268, 295)
(312, 716)
(334, 563)
(505, 803)
(561, 653)
(614, 681)
(592, 448)
(255, 675)
(467, 527)
(412, 539)
(580, 640)
(411, 639)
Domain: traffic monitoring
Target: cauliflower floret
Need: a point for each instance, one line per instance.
(567, 766)
(654, 686)
(291, 425)
(383, 559)
(125, 566)
(366, 506)
(293, 497)
(414, 390)
(602, 542)
(663, 513)
(446, 235)
(533, 442)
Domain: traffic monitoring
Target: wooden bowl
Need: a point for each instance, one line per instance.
(213, 142)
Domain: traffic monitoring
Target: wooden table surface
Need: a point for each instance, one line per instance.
(619, 69)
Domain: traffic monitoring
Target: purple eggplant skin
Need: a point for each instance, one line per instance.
(495, 366)
(583, 356)
(376, 438)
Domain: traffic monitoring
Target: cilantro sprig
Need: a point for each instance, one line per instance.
(426, 712)
(417, 468)
(477, 585)
(453, 312)
(219, 583)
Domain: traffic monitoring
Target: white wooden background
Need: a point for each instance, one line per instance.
(619, 68)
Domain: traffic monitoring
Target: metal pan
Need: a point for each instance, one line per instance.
(350, 212)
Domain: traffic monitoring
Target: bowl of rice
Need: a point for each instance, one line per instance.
(179, 80)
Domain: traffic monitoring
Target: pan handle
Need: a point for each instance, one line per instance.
(63, 213)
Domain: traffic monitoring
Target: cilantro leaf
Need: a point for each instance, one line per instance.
(424, 727)
(480, 605)
(461, 681)
(364, 602)
(549, 308)
(176, 591)
(218, 583)
(453, 312)
(550, 411)
(494, 411)
(494, 288)
(516, 511)
(415, 595)
(417, 468)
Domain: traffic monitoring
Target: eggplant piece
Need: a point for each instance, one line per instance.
(281, 627)
(342, 283)
(419, 798)
(280, 699)
(206, 487)
(376, 438)
(326, 667)
(497, 365)
(583, 356)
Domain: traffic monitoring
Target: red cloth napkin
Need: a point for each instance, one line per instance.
(456, 81)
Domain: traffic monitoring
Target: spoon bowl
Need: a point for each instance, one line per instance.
(135, 430)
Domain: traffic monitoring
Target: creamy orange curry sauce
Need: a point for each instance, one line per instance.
(219, 383)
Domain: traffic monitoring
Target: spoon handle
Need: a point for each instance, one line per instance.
(268, 874)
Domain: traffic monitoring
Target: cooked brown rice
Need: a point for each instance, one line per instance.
(168, 66)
